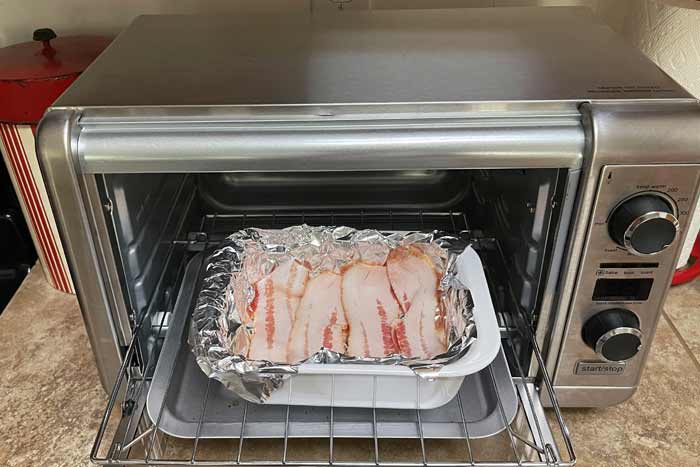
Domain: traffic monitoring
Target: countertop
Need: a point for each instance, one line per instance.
(51, 399)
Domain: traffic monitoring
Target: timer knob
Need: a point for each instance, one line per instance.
(644, 224)
(614, 334)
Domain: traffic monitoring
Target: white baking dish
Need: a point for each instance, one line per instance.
(397, 387)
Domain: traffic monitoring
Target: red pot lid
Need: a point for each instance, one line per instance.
(34, 74)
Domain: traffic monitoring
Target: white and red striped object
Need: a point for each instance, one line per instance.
(32, 76)
(17, 146)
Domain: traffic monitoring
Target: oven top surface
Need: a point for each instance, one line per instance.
(467, 55)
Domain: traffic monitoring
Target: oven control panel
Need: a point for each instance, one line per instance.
(638, 223)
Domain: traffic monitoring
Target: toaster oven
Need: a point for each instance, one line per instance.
(568, 159)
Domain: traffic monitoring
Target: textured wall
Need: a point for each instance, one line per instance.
(670, 36)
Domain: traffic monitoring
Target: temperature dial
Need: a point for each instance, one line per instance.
(644, 225)
(614, 334)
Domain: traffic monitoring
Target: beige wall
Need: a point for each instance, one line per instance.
(670, 36)
(18, 18)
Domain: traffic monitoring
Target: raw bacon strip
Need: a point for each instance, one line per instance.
(241, 341)
(415, 282)
(256, 265)
(371, 308)
(320, 319)
(253, 270)
(276, 299)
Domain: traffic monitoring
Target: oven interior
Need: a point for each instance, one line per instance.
(161, 223)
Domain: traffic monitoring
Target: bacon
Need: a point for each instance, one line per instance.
(320, 319)
(371, 308)
(277, 297)
(254, 267)
(415, 280)
(385, 302)
(241, 341)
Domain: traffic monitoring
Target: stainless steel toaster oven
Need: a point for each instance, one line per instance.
(569, 160)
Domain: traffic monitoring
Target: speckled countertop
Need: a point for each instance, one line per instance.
(51, 400)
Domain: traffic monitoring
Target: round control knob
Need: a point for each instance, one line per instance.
(644, 225)
(614, 334)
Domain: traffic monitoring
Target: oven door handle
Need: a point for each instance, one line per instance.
(227, 147)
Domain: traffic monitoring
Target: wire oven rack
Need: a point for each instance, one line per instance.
(214, 227)
(127, 436)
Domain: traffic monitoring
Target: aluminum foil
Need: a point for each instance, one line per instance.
(225, 292)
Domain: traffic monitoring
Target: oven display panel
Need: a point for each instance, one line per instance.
(613, 290)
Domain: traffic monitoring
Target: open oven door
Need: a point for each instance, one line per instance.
(163, 410)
